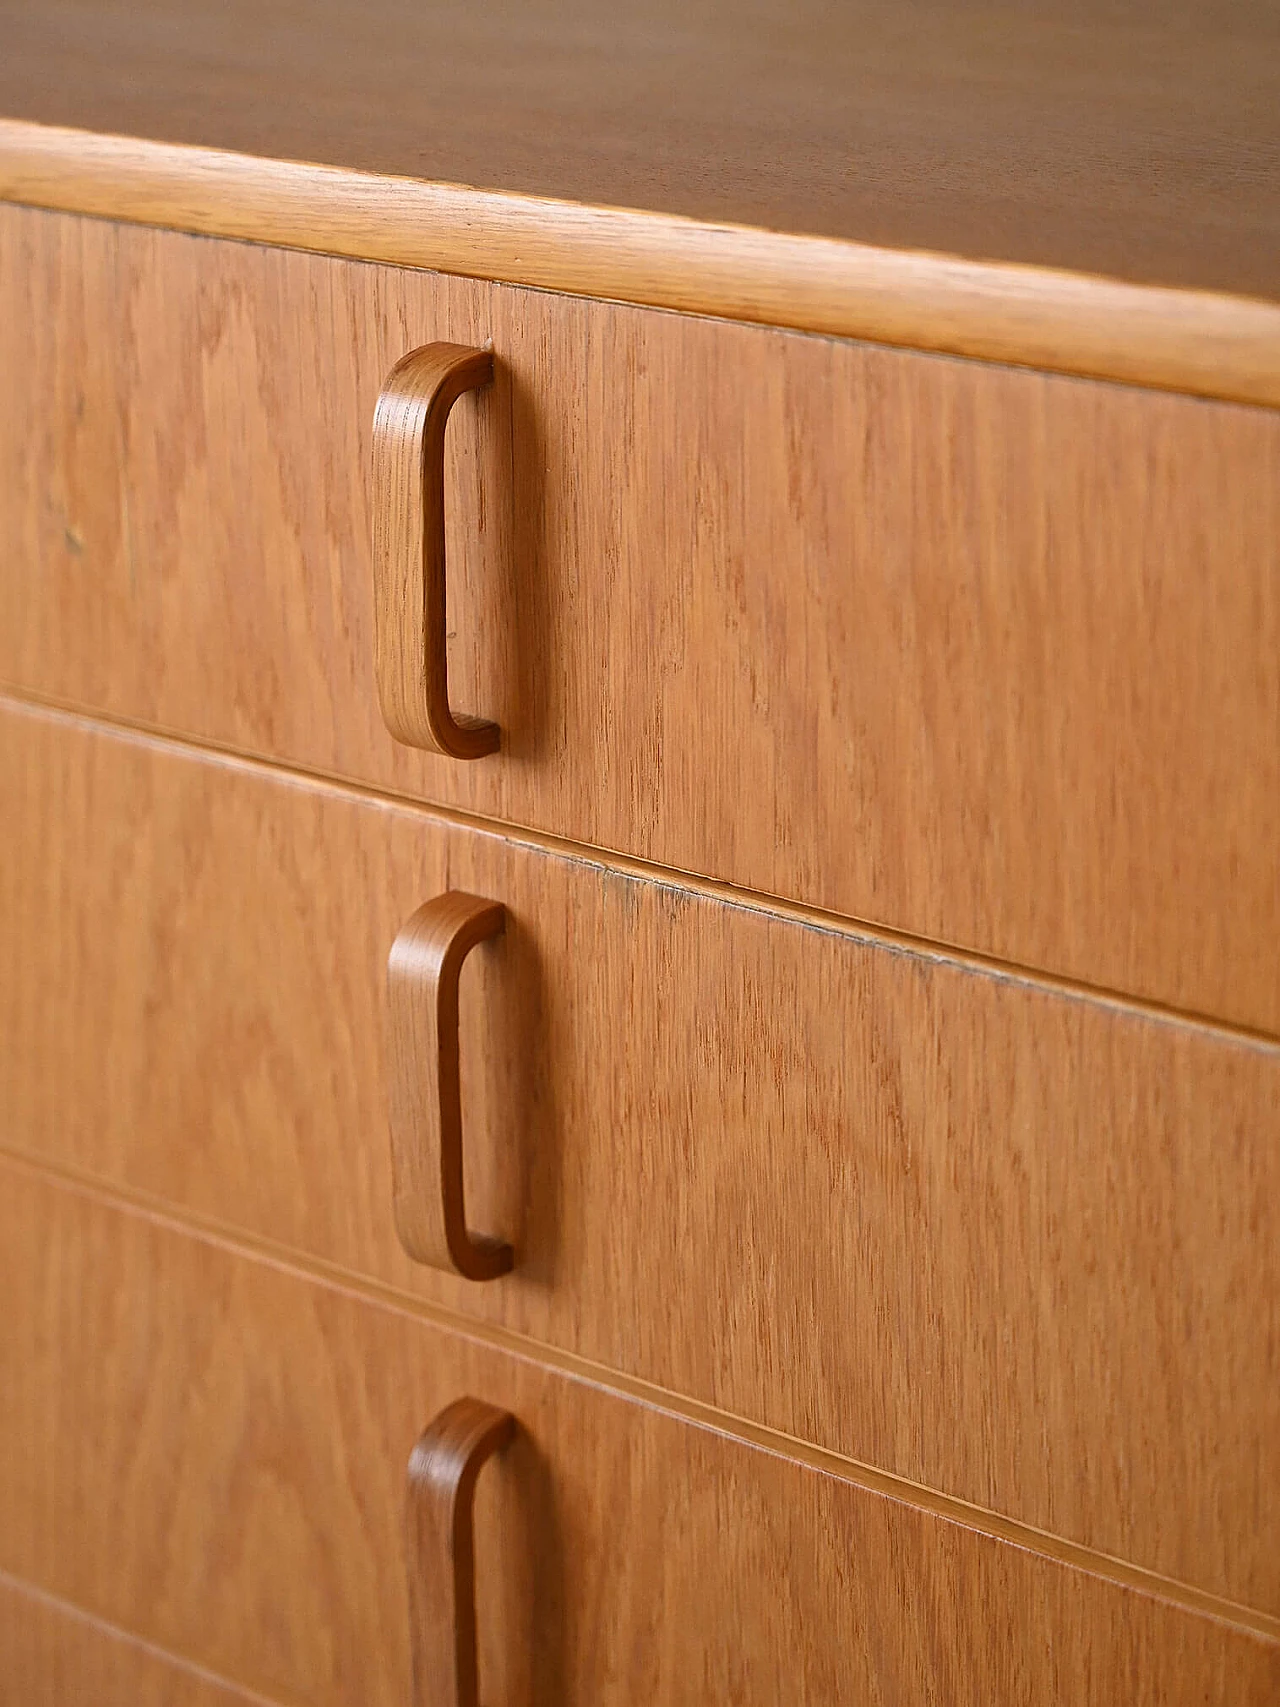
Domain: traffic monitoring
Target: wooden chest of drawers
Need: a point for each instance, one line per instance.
(798, 1089)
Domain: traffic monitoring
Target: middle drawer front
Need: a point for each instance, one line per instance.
(998, 1239)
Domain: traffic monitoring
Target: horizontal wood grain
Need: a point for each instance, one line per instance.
(980, 655)
(1175, 338)
(995, 1239)
(1139, 142)
(52, 1655)
(210, 1451)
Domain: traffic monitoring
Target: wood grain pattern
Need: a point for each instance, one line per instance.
(411, 655)
(425, 1085)
(1139, 142)
(1197, 341)
(443, 1468)
(253, 1425)
(1002, 1241)
(54, 1656)
(977, 654)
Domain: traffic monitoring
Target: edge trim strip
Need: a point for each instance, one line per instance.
(1204, 343)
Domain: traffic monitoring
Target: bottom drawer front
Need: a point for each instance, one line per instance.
(210, 1450)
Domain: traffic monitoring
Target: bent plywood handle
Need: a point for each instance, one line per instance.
(442, 1572)
(410, 659)
(425, 1110)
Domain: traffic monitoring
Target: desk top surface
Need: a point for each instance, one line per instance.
(1132, 140)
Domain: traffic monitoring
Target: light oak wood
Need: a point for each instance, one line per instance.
(424, 1085)
(52, 1655)
(976, 654)
(252, 1426)
(891, 1324)
(1138, 143)
(991, 1237)
(1198, 341)
(443, 1468)
(411, 658)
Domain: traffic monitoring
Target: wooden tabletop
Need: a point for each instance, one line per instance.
(1091, 188)
(1136, 140)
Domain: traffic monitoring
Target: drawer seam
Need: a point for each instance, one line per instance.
(697, 1413)
(71, 1611)
(26, 701)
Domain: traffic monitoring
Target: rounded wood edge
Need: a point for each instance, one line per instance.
(1204, 343)
(424, 969)
(411, 665)
(441, 1479)
(453, 1448)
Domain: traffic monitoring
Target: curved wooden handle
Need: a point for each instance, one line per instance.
(423, 970)
(410, 658)
(442, 1570)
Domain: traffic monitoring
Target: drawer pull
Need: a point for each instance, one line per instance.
(410, 657)
(442, 1570)
(423, 970)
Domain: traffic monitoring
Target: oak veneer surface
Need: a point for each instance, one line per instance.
(51, 1655)
(974, 653)
(1202, 343)
(1130, 140)
(1000, 1240)
(211, 1451)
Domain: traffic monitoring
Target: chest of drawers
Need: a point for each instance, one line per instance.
(783, 1108)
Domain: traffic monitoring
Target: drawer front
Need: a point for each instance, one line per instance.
(211, 1451)
(997, 1239)
(53, 1656)
(978, 654)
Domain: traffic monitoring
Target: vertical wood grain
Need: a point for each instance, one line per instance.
(424, 1085)
(443, 1468)
(1005, 1242)
(411, 654)
(980, 654)
(210, 1451)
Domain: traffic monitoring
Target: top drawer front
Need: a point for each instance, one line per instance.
(979, 654)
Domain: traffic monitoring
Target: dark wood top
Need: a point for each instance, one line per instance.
(1139, 141)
